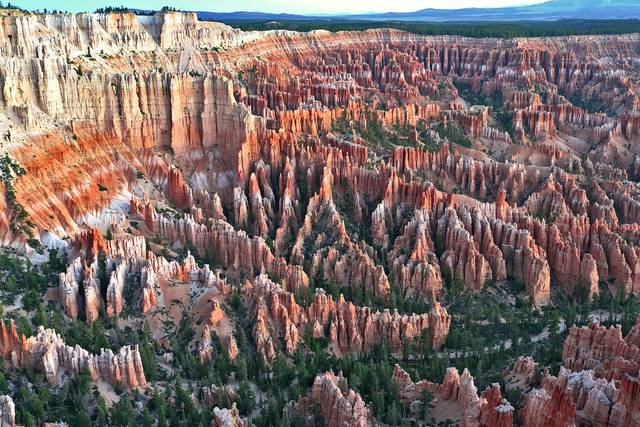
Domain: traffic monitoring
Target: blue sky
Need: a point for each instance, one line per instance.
(276, 6)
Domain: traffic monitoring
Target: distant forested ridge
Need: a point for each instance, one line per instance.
(565, 27)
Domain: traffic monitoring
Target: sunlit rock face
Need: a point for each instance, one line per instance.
(47, 353)
(338, 409)
(597, 384)
(350, 328)
(105, 98)
(459, 392)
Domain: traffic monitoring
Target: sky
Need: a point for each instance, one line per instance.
(273, 6)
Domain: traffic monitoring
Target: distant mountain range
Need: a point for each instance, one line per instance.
(551, 10)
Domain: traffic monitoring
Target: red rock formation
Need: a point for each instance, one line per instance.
(231, 249)
(92, 293)
(214, 315)
(542, 409)
(354, 268)
(350, 328)
(126, 262)
(633, 337)
(322, 217)
(69, 283)
(606, 394)
(149, 283)
(338, 409)
(324, 225)
(601, 349)
(461, 256)
(577, 397)
(260, 208)
(488, 409)
(178, 191)
(273, 123)
(81, 275)
(48, 353)
(474, 177)
(115, 302)
(522, 373)
(418, 272)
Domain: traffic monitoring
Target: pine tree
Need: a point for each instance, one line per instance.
(245, 398)
(393, 415)
(147, 420)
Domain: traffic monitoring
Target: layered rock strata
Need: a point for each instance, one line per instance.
(488, 409)
(349, 328)
(338, 409)
(47, 353)
(598, 384)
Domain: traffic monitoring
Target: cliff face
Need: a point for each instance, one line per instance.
(338, 409)
(597, 385)
(87, 110)
(349, 328)
(47, 353)
(602, 350)
(103, 96)
(579, 397)
(487, 409)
